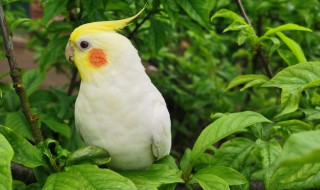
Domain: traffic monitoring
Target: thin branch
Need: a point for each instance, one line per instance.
(73, 81)
(265, 62)
(242, 11)
(140, 24)
(17, 80)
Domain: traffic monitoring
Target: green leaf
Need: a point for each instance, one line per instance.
(224, 13)
(19, 22)
(308, 177)
(275, 46)
(289, 101)
(246, 32)
(294, 126)
(233, 153)
(88, 177)
(53, 8)
(284, 27)
(32, 79)
(287, 56)
(6, 153)
(311, 114)
(18, 185)
(235, 25)
(53, 153)
(305, 176)
(301, 148)
(185, 164)
(224, 127)
(157, 35)
(11, 101)
(293, 80)
(171, 9)
(231, 176)
(56, 126)
(24, 152)
(5, 2)
(89, 154)
(18, 123)
(294, 47)
(210, 182)
(52, 52)
(157, 175)
(269, 151)
(196, 10)
(248, 80)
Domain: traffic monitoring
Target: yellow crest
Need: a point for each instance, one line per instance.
(102, 26)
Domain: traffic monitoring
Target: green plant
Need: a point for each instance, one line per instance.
(276, 145)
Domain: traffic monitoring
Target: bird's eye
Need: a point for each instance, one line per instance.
(84, 44)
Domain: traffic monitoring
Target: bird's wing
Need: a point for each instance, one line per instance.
(161, 141)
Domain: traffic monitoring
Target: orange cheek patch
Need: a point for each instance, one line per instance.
(97, 57)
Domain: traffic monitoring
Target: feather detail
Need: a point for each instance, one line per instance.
(103, 26)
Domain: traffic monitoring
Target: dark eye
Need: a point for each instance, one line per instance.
(84, 44)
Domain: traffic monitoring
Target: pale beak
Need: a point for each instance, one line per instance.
(69, 52)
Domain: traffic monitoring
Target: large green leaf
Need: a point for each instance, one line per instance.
(18, 123)
(269, 152)
(231, 176)
(88, 177)
(304, 176)
(301, 148)
(293, 46)
(284, 27)
(293, 80)
(196, 10)
(24, 152)
(158, 174)
(224, 127)
(307, 177)
(6, 153)
(210, 182)
(233, 153)
(298, 161)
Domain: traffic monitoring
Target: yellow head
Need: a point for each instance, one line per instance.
(97, 45)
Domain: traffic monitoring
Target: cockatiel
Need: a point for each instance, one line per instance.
(118, 108)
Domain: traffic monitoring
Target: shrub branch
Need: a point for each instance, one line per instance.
(259, 51)
(17, 79)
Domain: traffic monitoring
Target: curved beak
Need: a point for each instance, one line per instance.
(69, 52)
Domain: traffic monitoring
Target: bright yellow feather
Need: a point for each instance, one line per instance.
(93, 27)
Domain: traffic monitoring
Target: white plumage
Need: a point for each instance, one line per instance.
(118, 108)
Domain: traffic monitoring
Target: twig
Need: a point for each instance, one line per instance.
(242, 11)
(73, 81)
(17, 80)
(140, 24)
(265, 62)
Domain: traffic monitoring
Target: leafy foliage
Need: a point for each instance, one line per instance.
(212, 72)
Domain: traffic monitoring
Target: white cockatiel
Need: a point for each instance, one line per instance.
(118, 108)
